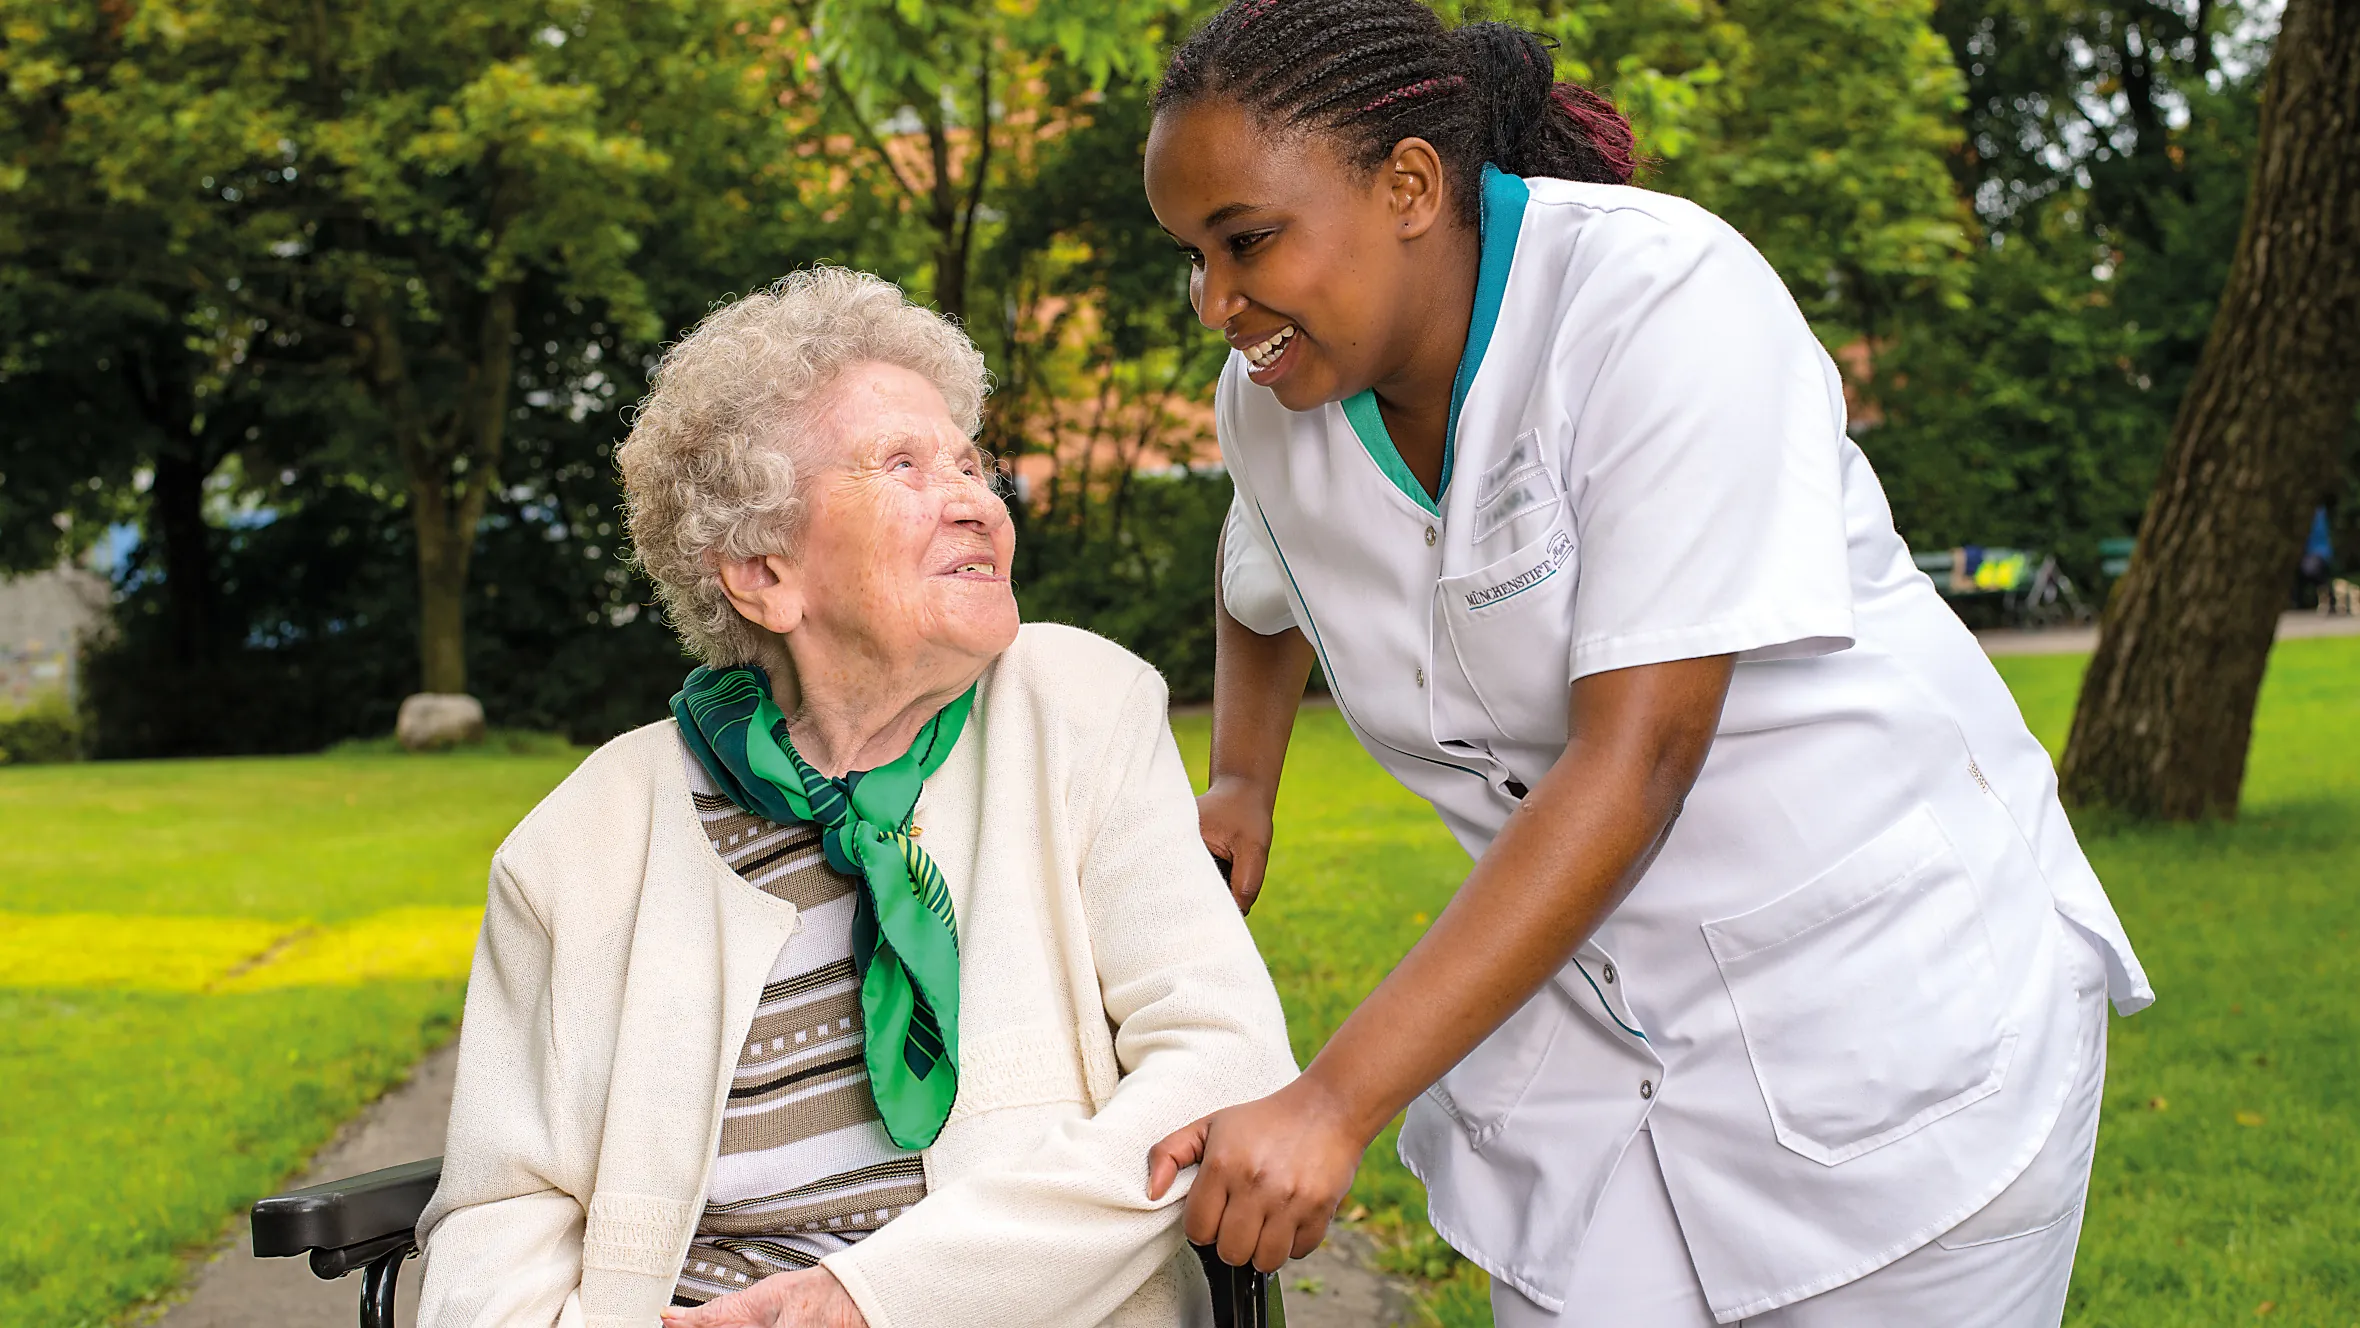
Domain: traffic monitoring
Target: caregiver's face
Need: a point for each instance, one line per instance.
(905, 547)
(1296, 259)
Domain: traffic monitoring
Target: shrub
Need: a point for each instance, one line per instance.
(44, 732)
(1139, 571)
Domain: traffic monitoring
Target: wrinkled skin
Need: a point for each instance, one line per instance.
(812, 1298)
(896, 595)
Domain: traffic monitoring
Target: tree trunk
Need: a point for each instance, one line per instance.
(176, 506)
(2166, 711)
(443, 555)
(159, 376)
(449, 476)
(942, 204)
(950, 276)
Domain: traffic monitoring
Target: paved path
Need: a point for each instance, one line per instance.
(1334, 1288)
(2082, 640)
(236, 1290)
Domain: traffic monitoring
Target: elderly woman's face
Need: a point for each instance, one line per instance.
(905, 546)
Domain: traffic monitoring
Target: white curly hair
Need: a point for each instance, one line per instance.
(709, 471)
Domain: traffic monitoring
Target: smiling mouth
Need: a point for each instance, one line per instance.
(974, 569)
(1263, 354)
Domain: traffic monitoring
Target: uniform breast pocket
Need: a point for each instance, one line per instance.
(1511, 625)
(1869, 999)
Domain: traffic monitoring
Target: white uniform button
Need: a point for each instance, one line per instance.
(1647, 1088)
(1429, 537)
(1421, 677)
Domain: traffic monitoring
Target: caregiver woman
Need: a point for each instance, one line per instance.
(1776, 992)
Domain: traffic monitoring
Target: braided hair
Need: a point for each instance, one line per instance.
(1370, 73)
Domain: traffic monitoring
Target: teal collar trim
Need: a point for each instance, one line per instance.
(1504, 196)
(1368, 424)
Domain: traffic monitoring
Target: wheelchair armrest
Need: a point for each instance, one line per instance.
(346, 1223)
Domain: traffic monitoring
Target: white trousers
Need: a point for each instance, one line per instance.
(2007, 1266)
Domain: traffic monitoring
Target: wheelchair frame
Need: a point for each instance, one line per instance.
(370, 1222)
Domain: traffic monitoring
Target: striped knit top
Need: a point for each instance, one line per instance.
(805, 1166)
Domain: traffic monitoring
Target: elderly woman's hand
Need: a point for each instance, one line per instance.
(812, 1298)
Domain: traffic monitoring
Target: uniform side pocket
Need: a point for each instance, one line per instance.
(1869, 998)
(1486, 1086)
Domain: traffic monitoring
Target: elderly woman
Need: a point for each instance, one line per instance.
(856, 992)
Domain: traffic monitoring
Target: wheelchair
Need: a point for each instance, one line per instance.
(370, 1222)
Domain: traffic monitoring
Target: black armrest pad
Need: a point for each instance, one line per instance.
(345, 1212)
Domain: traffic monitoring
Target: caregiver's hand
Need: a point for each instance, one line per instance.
(1278, 1169)
(1233, 816)
(1257, 686)
(812, 1298)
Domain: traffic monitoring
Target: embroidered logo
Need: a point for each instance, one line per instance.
(1560, 551)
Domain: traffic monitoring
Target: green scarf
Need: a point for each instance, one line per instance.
(905, 941)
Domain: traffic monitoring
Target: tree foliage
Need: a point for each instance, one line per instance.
(292, 291)
(141, 341)
(2104, 155)
(411, 197)
(949, 100)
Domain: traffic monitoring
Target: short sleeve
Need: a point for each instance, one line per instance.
(1253, 586)
(1706, 468)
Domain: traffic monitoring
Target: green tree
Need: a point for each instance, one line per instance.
(948, 102)
(472, 164)
(141, 338)
(418, 185)
(2105, 151)
(1102, 370)
(2166, 711)
(1825, 141)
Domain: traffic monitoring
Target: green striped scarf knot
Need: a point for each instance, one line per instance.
(905, 938)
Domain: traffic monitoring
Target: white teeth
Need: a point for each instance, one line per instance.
(1263, 355)
(984, 568)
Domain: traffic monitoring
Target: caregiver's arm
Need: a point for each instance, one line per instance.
(1274, 1170)
(1257, 687)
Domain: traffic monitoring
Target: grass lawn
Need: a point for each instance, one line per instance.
(2229, 1158)
(204, 966)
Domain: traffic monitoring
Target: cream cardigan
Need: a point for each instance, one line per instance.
(1109, 994)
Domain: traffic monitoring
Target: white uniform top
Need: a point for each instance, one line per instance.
(1839, 998)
